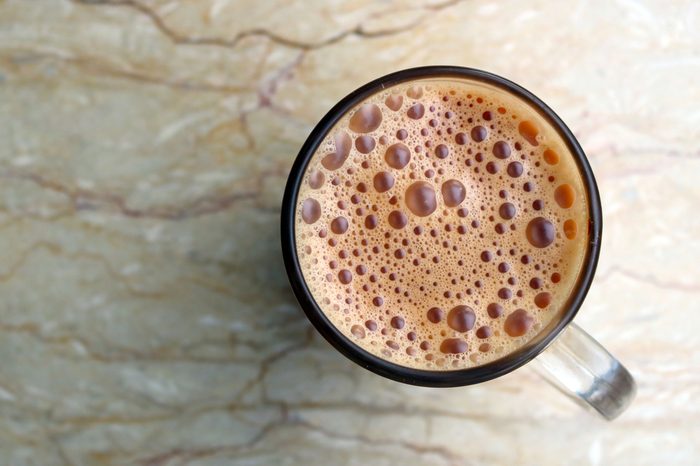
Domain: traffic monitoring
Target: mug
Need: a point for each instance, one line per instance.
(566, 356)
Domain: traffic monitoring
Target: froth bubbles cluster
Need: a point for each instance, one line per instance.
(441, 225)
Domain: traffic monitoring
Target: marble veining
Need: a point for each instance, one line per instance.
(145, 317)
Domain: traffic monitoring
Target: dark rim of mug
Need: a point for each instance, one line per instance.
(448, 378)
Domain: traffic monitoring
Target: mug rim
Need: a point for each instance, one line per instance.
(398, 372)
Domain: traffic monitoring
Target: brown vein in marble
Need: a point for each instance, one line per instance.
(56, 250)
(117, 354)
(360, 438)
(187, 455)
(90, 65)
(297, 408)
(285, 420)
(267, 90)
(85, 199)
(264, 366)
(190, 454)
(648, 279)
(179, 38)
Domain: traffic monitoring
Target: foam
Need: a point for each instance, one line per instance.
(465, 247)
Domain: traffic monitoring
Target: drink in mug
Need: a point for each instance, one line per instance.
(444, 227)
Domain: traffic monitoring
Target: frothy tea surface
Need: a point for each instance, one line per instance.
(442, 224)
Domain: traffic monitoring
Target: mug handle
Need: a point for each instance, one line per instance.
(583, 370)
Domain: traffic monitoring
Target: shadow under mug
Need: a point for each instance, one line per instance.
(566, 356)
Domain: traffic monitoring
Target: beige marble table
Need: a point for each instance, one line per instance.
(145, 317)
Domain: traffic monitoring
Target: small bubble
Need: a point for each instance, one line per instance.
(339, 225)
(435, 315)
(515, 169)
(501, 150)
(416, 111)
(397, 322)
(479, 133)
(441, 151)
(397, 219)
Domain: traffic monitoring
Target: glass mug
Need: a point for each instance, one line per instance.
(565, 355)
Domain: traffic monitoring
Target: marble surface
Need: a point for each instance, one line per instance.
(145, 317)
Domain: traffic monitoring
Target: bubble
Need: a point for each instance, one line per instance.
(535, 283)
(441, 151)
(570, 229)
(492, 167)
(357, 331)
(394, 102)
(540, 232)
(565, 196)
(414, 92)
(494, 310)
(556, 278)
(392, 344)
(515, 169)
(370, 222)
(310, 210)
(378, 301)
(361, 269)
(486, 256)
(529, 131)
(345, 276)
(479, 133)
(420, 199)
(397, 219)
(484, 347)
(401, 134)
(501, 150)
(507, 211)
(551, 157)
(335, 160)
(543, 299)
(383, 181)
(537, 204)
(453, 193)
(505, 293)
(484, 332)
(365, 144)
(371, 325)
(416, 111)
(366, 119)
(435, 315)
(487, 115)
(316, 179)
(461, 139)
(397, 156)
(503, 267)
(453, 346)
(518, 323)
(339, 225)
(461, 318)
(398, 322)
